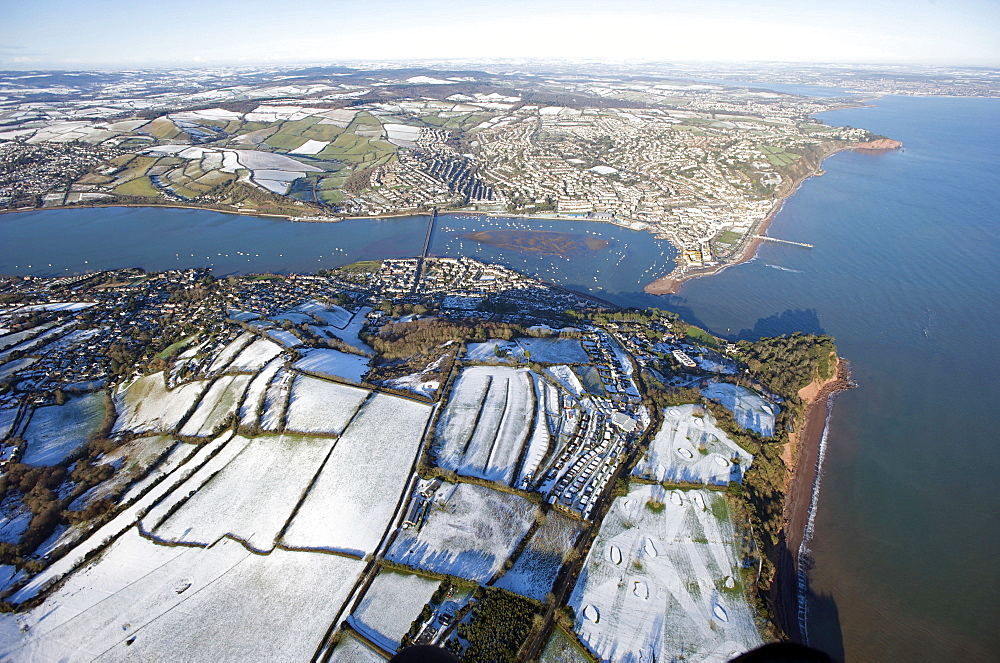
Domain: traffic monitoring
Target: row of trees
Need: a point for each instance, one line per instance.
(407, 339)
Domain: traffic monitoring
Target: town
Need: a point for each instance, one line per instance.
(701, 165)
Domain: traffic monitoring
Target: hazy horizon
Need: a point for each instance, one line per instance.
(62, 35)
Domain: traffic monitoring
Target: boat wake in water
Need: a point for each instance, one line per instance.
(784, 269)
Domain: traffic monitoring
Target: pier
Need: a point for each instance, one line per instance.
(784, 241)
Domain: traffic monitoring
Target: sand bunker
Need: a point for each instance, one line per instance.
(615, 554)
(684, 453)
(720, 613)
(591, 613)
(730, 582)
(649, 548)
(676, 498)
(640, 589)
(721, 462)
(700, 501)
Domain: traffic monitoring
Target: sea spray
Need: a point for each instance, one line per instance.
(802, 557)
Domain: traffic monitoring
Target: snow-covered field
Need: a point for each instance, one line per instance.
(121, 522)
(750, 409)
(255, 393)
(148, 406)
(10, 340)
(216, 405)
(561, 649)
(484, 435)
(12, 367)
(565, 376)
(252, 496)
(355, 496)
(349, 333)
(690, 447)
(8, 416)
(554, 350)
(470, 532)
(229, 352)
(333, 363)
(132, 461)
(55, 431)
(546, 400)
(35, 341)
(724, 366)
(285, 338)
(330, 314)
(255, 356)
(352, 650)
(13, 521)
(177, 456)
(141, 599)
(310, 147)
(390, 605)
(275, 400)
(494, 350)
(659, 583)
(318, 406)
(536, 569)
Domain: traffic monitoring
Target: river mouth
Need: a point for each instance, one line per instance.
(538, 242)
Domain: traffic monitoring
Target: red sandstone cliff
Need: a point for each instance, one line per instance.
(879, 145)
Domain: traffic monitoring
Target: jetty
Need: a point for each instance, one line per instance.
(783, 241)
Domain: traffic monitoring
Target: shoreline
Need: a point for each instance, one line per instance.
(671, 283)
(799, 498)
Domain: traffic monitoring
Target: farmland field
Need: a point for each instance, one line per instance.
(252, 497)
(142, 599)
(255, 356)
(334, 364)
(470, 532)
(148, 406)
(390, 605)
(215, 407)
(226, 355)
(352, 650)
(349, 507)
(55, 431)
(554, 350)
(255, 393)
(321, 407)
(481, 432)
(538, 565)
(275, 400)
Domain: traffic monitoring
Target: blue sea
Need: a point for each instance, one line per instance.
(905, 274)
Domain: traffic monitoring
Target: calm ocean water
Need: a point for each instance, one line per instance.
(904, 274)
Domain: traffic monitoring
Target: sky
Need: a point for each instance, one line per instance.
(79, 34)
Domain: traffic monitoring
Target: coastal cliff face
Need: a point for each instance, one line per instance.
(809, 393)
(879, 145)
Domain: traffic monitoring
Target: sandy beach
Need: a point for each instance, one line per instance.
(798, 494)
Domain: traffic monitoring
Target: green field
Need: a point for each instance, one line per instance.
(140, 186)
(363, 267)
